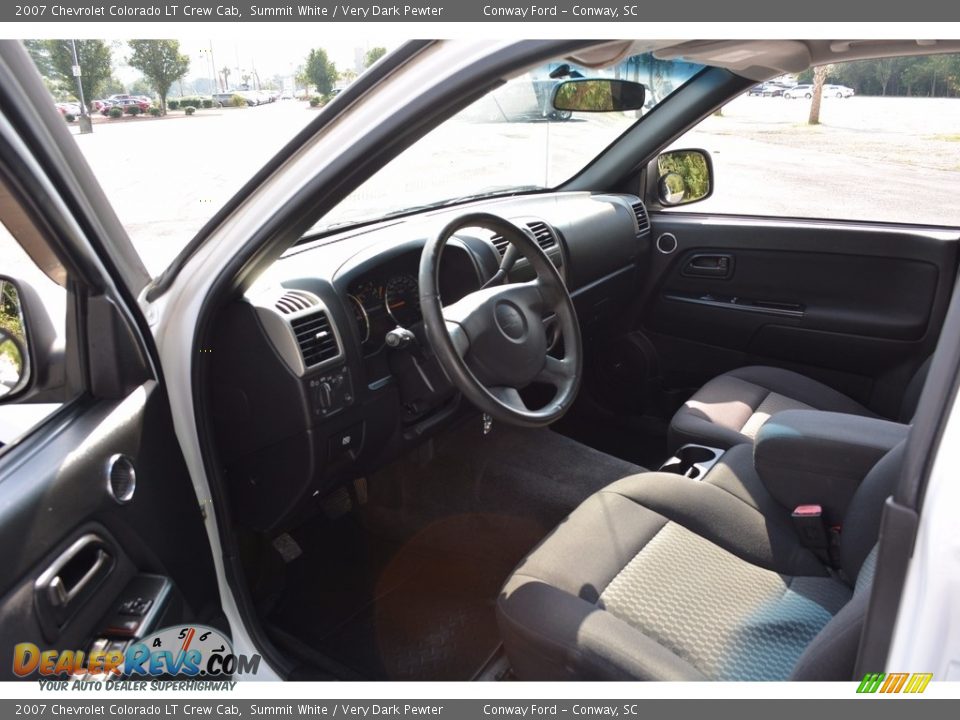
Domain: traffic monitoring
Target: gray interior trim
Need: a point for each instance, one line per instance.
(901, 513)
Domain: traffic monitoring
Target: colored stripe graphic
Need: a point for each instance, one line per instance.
(918, 682)
(894, 683)
(871, 682)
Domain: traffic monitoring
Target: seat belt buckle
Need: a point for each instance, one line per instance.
(810, 526)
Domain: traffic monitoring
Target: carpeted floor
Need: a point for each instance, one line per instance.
(404, 588)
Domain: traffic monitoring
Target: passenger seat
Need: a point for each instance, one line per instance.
(731, 408)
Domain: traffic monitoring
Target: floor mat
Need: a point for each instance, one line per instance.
(438, 623)
(422, 609)
(636, 439)
(536, 474)
(405, 588)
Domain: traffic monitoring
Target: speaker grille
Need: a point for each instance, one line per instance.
(121, 478)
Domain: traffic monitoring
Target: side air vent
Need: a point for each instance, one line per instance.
(296, 300)
(541, 231)
(315, 338)
(500, 243)
(643, 222)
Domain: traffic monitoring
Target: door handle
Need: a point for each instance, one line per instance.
(71, 579)
(709, 265)
(61, 596)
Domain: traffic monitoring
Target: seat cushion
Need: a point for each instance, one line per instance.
(731, 408)
(665, 578)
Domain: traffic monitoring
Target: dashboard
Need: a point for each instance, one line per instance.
(321, 371)
(388, 295)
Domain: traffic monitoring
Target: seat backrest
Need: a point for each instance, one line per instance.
(861, 524)
(833, 652)
(912, 394)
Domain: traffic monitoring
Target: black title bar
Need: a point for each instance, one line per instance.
(740, 11)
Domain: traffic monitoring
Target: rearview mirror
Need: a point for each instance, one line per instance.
(684, 176)
(14, 357)
(587, 95)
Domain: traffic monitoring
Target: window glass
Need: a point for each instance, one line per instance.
(168, 161)
(32, 341)
(511, 139)
(885, 145)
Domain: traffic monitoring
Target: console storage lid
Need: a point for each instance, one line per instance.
(815, 457)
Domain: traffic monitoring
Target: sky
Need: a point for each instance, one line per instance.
(274, 53)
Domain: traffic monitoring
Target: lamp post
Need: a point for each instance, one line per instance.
(86, 124)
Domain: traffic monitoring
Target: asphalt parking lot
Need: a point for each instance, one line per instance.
(892, 159)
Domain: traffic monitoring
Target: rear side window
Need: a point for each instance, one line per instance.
(883, 145)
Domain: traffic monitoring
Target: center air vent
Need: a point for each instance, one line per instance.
(315, 338)
(500, 243)
(640, 213)
(544, 236)
(296, 300)
(541, 232)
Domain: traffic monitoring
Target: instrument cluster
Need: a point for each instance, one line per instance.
(380, 306)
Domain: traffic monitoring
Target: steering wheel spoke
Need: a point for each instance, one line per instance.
(510, 397)
(551, 296)
(556, 372)
(461, 342)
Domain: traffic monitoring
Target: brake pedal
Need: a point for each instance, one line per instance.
(288, 548)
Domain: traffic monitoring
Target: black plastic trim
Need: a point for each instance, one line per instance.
(740, 306)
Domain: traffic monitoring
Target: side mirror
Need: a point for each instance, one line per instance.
(684, 177)
(14, 349)
(598, 95)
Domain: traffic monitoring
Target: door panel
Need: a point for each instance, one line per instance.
(54, 491)
(103, 539)
(857, 306)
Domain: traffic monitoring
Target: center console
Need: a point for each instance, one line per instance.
(692, 461)
(805, 457)
(813, 457)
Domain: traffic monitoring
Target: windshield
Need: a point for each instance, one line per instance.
(173, 128)
(510, 140)
(171, 142)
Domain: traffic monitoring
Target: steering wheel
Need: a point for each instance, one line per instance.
(493, 342)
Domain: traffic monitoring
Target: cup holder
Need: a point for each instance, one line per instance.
(692, 461)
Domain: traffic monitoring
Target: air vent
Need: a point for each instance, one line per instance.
(643, 222)
(315, 338)
(500, 243)
(544, 236)
(296, 300)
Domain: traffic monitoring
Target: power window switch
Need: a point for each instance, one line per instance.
(137, 606)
